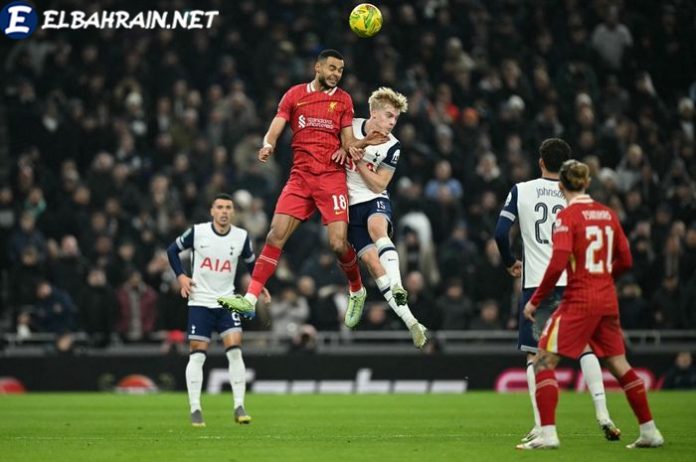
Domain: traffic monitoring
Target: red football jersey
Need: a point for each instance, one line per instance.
(598, 250)
(316, 119)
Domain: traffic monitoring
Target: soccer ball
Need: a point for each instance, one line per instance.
(365, 20)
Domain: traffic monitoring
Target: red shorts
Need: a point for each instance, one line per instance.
(567, 333)
(306, 192)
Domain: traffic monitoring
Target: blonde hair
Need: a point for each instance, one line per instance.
(575, 175)
(385, 95)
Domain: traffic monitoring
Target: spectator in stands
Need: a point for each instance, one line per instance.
(454, 307)
(289, 312)
(54, 312)
(489, 316)
(137, 308)
(97, 308)
(27, 236)
(70, 268)
(682, 375)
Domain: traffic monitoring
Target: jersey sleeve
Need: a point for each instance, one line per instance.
(185, 241)
(348, 113)
(507, 217)
(392, 156)
(509, 210)
(563, 232)
(248, 254)
(622, 251)
(285, 106)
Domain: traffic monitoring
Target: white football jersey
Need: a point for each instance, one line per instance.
(214, 259)
(536, 203)
(385, 155)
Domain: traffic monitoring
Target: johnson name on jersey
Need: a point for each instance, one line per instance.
(385, 155)
(214, 261)
(536, 203)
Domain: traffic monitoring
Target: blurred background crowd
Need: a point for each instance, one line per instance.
(112, 143)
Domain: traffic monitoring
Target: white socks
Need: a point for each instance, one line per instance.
(194, 378)
(593, 377)
(531, 385)
(237, 372)
(251, 298)
(389, 259)
(383, 284)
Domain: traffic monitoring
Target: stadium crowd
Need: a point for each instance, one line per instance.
(118, 140)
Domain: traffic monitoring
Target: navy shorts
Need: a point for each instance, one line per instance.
(358, 235)
(529, 332)
(202, 321)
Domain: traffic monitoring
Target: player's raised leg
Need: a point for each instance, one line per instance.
(348, 262)
(634, 388)
(592, 372)
(232, 340)
(282, 227)
(418, 332)
(378, 227)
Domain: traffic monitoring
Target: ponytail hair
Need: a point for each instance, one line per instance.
(574, 175)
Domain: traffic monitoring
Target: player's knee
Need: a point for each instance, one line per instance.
(545, 361)
(275, 238)
(338, 245)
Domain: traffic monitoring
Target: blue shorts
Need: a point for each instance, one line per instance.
(529, 332)
(358, 235)
(202, 321)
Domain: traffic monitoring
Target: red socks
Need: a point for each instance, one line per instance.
(264, 268)
(635, 393)
(349, 264)
(547, 396)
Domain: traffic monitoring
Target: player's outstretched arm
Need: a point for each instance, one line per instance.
(271, 138)
(373, 138)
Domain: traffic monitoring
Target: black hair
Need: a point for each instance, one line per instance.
(223, 196)
(554, 151)
(329, 53)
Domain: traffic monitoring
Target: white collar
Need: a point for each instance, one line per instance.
(310, 89)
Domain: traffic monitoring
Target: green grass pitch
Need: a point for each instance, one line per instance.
(476, 426)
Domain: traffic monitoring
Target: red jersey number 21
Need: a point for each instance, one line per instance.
(598, 238)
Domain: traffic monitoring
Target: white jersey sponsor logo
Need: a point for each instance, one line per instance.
(214, 262)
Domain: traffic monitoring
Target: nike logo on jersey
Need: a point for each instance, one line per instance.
(302, 104)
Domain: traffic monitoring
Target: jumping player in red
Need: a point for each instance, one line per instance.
(321, 117)
(590, 245)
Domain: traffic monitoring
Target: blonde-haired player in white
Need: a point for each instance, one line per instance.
(370, 209)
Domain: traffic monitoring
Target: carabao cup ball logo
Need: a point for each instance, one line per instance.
(18, 20)
(365, 20)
